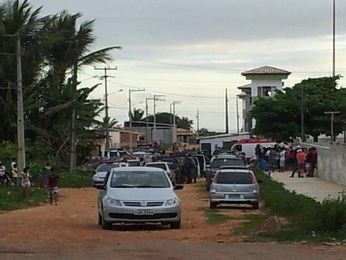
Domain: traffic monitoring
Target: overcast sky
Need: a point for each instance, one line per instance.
(191, 50)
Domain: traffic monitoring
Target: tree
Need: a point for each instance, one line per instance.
(279, 116)
(137, 114)
(52, 46)
(165, 118)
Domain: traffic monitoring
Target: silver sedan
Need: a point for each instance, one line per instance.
(138, 194)
(237, 186)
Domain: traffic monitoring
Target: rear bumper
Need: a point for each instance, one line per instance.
(246, 198)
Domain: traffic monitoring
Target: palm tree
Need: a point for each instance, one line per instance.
(137, 114)
(18, 20)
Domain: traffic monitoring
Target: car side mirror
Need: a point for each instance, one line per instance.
(178, 187)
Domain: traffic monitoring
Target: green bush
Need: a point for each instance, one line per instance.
(78, 179)
(328, 216)
(306, 216)
(281, 201)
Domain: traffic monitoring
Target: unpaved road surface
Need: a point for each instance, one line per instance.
(70, 231)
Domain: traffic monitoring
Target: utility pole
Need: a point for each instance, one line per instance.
(20, 109)
(333, 38)
(197, 118)
(226, 108)
(156, 98)
(146, 117)
(237, 109)
(332, 113)
(130, 113)
(173, 105)
(105, 77)
(174, 139)
(73, 151)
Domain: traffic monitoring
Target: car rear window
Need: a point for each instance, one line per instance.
(217, 163)
(234, 178)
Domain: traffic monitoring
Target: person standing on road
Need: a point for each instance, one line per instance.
(53, 180)
(294, 162)
(311, 160)
(282, 159)
(26, 182)
(189, 168)
(14, 173)
(301, 157)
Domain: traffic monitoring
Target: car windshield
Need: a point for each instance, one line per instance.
(217, 163)
(106, 167)
(234, 178)
(157, 165)
(139, 179)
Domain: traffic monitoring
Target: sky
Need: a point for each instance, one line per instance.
(191, 51)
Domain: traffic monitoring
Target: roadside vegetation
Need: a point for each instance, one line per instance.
(11, 198)
(306, 219)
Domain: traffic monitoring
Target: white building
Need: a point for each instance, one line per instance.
(265, 81)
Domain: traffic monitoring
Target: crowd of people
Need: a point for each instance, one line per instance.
(48, 181)
(302, 161)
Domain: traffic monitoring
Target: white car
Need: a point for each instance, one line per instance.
(138, 194)
(164, 166)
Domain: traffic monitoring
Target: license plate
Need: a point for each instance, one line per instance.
(142, 212)
(232, 196)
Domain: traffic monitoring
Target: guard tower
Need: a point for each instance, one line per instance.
(265, 81)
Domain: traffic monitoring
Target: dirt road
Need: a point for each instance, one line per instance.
(69, 230)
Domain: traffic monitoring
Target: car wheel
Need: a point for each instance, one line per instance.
(255, 205)
(99, 220)
(212, 205)
(175, 225)
(106, 224)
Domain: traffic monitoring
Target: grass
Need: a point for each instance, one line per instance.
(307, 219)
(214, 217)
(11, 198)
(78, 179)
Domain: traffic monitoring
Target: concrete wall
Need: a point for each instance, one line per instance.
(331, 162)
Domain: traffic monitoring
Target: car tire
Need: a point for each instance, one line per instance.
(99, 221)
(175, 225)
(212, 205)
(106, 224)
(255, 205)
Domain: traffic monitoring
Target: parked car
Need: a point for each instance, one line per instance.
(219, 161)
(102, 170)
(237, 186)
(133, 163)
(164, 166)
(138, 194)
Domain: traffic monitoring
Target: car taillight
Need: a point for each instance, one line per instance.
(253, 179)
